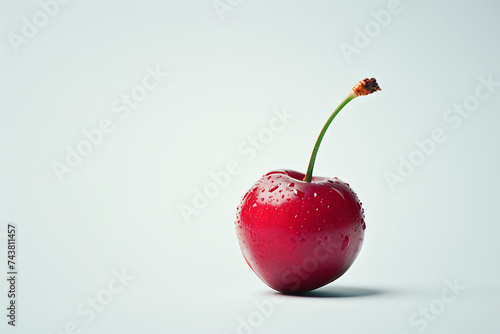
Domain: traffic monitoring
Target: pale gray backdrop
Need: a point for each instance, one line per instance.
(117, 116)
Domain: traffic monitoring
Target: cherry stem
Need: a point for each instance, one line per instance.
(364, 87)
(310, 168)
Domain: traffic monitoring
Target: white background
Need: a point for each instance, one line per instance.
(119, 209)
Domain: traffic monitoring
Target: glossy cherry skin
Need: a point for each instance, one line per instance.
(298, 236)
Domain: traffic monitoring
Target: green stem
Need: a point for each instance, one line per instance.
(310, 168)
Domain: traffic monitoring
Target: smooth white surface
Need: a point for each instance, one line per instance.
(119, 209)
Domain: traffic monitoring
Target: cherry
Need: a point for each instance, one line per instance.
(298, 232)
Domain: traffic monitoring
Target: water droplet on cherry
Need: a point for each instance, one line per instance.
(345, 243)
(273, 188)
(298, 193)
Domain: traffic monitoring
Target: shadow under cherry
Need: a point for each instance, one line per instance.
(338, 292)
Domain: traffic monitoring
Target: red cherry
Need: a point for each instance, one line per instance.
(298, 232)
(302, 235)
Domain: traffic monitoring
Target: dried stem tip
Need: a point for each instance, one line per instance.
(365, 87)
